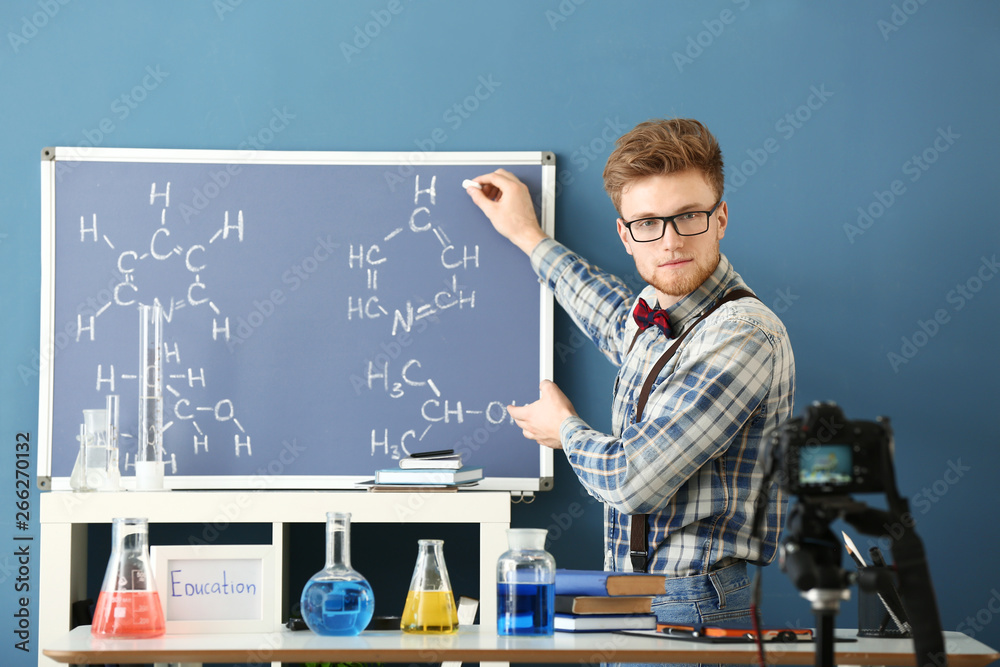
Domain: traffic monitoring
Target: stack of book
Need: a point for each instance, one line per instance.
(596, 601)
(431, 471)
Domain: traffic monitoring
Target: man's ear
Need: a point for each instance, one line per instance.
(722, 215)
(624, 235)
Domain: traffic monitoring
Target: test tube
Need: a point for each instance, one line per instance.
(111, 410)
(148, 456)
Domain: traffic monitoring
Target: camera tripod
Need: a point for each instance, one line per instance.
(811, 556)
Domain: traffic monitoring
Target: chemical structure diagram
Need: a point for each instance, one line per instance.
(129, 294)
(381, 373)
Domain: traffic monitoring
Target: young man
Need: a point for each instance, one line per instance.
(687, 451)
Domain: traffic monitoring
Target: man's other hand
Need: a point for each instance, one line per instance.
(540, 421)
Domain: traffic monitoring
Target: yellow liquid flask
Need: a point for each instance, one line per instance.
(430, 605)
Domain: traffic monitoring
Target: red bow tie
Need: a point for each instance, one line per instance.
(645, 317)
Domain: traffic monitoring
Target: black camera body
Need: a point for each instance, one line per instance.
(823, 453)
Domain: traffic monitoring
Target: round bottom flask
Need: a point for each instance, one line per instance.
(337, 600)
(526, 582)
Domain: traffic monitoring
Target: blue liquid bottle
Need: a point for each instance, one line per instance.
(337, 600)
(526, 576)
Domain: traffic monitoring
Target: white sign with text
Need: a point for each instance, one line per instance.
(216, 588)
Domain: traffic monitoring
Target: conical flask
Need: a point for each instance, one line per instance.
(78, 479)
(129, 605)
(337, 600)
(430, 605)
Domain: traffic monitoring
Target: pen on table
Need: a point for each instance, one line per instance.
(877, 559)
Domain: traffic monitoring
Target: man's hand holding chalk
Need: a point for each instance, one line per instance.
(507, 203)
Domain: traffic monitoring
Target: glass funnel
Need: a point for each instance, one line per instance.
(430, 605)
(129, 605)
(337, 600)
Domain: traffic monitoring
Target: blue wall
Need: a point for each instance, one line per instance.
(860, 138)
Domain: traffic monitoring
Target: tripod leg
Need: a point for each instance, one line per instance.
(824, 638)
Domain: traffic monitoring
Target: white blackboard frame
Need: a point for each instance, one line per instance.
(49, 338)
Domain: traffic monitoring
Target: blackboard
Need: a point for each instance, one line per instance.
(324, 313)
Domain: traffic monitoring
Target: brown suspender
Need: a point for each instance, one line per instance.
(639, 531)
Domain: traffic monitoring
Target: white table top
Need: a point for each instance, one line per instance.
(474, 644)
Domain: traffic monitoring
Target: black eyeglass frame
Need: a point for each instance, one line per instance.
(671, 219)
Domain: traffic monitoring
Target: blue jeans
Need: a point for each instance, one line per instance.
(720, 595)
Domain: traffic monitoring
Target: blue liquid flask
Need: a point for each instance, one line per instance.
(337, 600)
(526, 582)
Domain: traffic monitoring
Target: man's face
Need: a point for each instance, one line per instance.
(674, 265)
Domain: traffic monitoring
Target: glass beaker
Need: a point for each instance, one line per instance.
(90, 472)
(129, 605)
(430, 605)
(337, 600)
(526, 583)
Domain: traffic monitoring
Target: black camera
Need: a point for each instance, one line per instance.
(822, 453)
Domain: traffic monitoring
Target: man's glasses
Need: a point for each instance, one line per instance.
(690, 223)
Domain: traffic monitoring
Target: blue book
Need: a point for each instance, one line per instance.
(599, 582)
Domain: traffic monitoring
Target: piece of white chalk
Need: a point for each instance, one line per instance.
(469, 183)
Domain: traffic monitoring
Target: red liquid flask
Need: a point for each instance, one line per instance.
(129, 605)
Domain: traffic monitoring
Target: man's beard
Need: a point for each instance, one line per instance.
(682, 285)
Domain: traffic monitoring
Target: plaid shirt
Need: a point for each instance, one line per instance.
(694, 462)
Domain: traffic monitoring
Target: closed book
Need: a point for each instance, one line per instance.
(599, 582)
(604, 604)
(428, 476)
(453, 462)
(606, 623)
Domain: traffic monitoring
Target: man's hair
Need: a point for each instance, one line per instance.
(658, 147)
